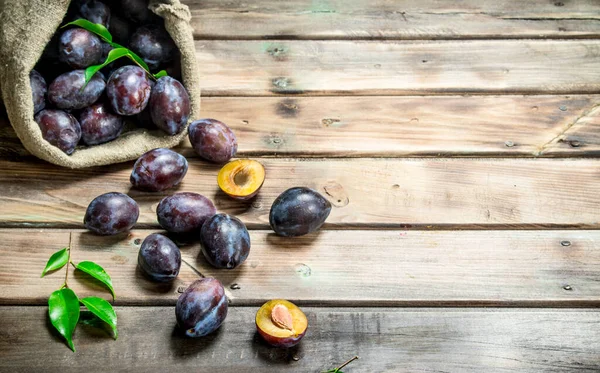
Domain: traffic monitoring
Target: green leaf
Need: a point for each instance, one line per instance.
(137, 59)
(63, 308)
(112, 56)
(96, 28)
(98, 273)
(103, 310)
(160, 74)
(56, 261)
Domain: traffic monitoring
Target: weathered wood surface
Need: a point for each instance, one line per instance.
(398, 193)
(366, 268)
(388, 126)
(381, 19)
(232, 68)
(387, 340)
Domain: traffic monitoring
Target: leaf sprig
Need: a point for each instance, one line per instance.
(117, 52)
(63, 304)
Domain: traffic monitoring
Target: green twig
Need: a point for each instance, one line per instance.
(66, 285)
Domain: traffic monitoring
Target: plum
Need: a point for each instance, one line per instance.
(120, 29)
(59, 128)
(137, 11)
(94, 11)
(159, 258)
(281, 323)
(213, 140)
(38, 90)
(99, 125)
(184, 212)
(169, 105)
(65, 92)
(158, 170)
(154, 45)
(225, 241)
(80, 48)
(298, 211)
(111, 213)
(128, 90)
(202, 307)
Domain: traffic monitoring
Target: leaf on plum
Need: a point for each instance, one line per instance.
(95, 28)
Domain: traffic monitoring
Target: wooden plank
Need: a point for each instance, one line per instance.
(374, 193)
(583, 133)
(388, 126)
(387, 340)
(365, 268)
(381, 19)
(250, 68)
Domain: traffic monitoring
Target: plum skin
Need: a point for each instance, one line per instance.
(202, 307)
(213, 140)
(298, 211)
(184, 212)
(225, 241)
(111, 213)
(169, 105)
(137, 11)
(159, 258)
(158, 170)
(281, 342)
(59, 128)
(95, 12)
(65, 91)
(128, 90)
(38, 90)
(99, 125)
(79, 48)
(153, 45)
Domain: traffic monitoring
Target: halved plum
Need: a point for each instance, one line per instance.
(281, 323)
(241, 179)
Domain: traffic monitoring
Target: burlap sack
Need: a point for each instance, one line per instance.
(26, 26)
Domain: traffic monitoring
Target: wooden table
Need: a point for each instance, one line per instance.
(458, 142)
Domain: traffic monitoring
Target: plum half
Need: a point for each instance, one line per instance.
(281, 323)
(241, 179)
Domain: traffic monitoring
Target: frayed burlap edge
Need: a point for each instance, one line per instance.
(26, 26)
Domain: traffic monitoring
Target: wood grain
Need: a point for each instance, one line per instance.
(381, 19)
(375, 193)
(358, 268)
(387, 340)
(250, 68)
(583, 133)
(400, 126)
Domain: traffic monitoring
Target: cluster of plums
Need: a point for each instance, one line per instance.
(70, 112)
(225, 241)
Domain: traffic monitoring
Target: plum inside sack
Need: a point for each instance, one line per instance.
(44, 53)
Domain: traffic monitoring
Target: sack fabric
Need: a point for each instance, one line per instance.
(26, 26)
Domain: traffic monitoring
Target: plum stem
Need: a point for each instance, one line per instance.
(338, 369)
(346, 363)
(66, 285)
